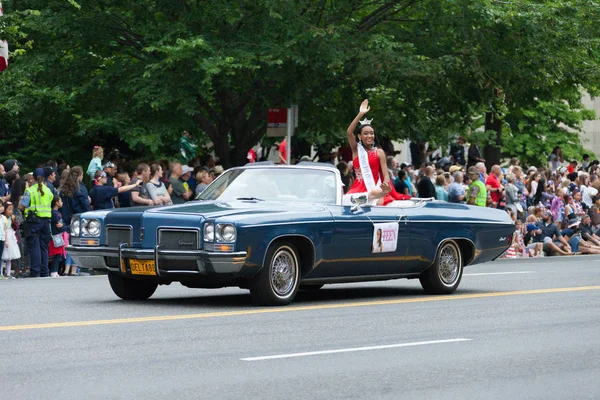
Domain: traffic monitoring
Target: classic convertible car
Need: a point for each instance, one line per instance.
(277, 229)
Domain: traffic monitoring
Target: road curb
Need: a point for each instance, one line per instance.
(531, 259)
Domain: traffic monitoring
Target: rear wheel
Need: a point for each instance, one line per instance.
(444, 276)
(277, 282)
(131, 289)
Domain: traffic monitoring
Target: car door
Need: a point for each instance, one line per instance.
(353, 241)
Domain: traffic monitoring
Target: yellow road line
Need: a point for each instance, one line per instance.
(292, 308)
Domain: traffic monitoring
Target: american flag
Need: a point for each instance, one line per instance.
(3, 48)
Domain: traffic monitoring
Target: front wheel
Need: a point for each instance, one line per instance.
(131, 289)
(277, 282)
(444, 276)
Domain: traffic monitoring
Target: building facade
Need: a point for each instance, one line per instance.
(591, 129)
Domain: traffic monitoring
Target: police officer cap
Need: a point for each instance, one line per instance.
(39, 172)
(48, 171)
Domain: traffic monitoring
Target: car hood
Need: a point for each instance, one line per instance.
(238, 208)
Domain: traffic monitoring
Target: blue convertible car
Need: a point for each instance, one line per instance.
(277, 229)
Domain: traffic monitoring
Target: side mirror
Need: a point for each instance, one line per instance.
(358, 201)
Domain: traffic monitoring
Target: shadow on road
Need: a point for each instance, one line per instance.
(333, 292)
(327, 294)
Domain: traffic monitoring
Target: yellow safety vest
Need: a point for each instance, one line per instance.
(40, 205)
(481, 199)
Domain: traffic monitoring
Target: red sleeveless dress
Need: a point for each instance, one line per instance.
(359, 184)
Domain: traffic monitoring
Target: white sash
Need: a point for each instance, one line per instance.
(365, 168)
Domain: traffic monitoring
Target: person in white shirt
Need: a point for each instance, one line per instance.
(556, 158)
(587, 192)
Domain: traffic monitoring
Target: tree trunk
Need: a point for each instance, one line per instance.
(250, 129)
(222, 149)
(239, 117)
(492, 150)
(232, 157)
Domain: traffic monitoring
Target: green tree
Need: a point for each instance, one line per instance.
(512, 54)
(144, 71)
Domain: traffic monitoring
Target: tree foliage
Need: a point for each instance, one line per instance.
(135, 74)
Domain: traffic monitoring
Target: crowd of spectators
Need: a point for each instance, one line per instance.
(556, 208)
(107, 183)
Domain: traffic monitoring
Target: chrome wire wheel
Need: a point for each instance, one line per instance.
(444, 276)
(449, 264)
(283, 272)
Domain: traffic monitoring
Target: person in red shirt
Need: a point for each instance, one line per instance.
(251, 156)
(283, 151)
(572, 166)
(493, 185)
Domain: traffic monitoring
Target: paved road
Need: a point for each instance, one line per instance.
(514, 329)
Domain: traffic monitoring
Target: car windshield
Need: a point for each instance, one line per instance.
(274, 184)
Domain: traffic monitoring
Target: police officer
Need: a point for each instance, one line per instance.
(50, 174)
(477, 193)
(36, 202)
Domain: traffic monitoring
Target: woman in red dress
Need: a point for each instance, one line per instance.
(369, 162)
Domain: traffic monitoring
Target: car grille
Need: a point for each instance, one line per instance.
(178, 239)
(117, 235)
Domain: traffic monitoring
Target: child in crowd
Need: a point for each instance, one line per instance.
(577, 205)
(513, 250)
(70, 266)
(11, 246)
(19, 266)
(549, 195)
(96, 162)
(518, 241)
(568, 199)
(534, 249)
(558, 207)
(56, 247)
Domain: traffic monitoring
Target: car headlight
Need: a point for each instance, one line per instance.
(90, 227)
(75, 227)
(226, 233)
(209, 232)
(93, 227)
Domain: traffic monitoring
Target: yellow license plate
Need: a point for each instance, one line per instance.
(142, 267)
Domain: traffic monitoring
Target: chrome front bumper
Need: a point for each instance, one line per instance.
(208, 262)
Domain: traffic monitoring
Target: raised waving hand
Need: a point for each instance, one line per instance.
(364, 108)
